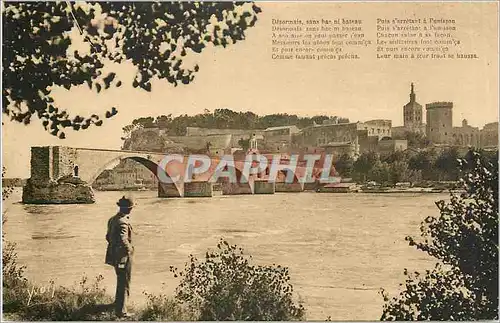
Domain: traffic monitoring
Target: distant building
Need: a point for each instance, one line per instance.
(195, 135)
(127, 175)
(344, 138)
(412, 114)
(379, 127)
(198, 131)
(489, 135)
(439, 128)
(329, 135)
(339, 149)
(214, 144)
(413, 121)
(389, 146)
(280, 138)
(466, 135)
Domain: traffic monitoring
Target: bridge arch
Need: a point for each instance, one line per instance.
(151, 165)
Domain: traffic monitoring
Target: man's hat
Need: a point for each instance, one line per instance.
(125, 202)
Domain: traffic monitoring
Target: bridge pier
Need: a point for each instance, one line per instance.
(237, 188)
(198, 189)
(58, 192)
(311, 186)
(168, 190)
(264, 187)
(289, 187)
(52, 179)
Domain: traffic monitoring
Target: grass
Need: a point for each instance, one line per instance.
(26, 301)
(86, 301)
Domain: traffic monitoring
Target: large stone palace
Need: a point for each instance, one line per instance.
(331, 137)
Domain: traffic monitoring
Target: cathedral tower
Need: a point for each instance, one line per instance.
(412, 113)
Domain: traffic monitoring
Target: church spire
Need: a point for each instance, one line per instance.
(412, 93)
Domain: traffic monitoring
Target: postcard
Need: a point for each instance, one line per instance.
(264, 161)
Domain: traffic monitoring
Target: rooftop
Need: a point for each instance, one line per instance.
(334, 124)
(438, 105)
(280, 128)
(337, 144)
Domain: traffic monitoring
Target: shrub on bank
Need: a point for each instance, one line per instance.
(163, 308)
(30, 302)
(13, 278)
(225, 286)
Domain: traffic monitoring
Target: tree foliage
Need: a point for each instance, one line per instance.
(244, 144)
(406, 166)
(38, 52)
(345, 165)
(464, 239)
(447, 164)
(365, 163)
(226, 119)
(424, 162)
(225, 286)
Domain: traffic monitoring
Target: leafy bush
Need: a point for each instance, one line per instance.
(163, 308)
(225, 286)
(13, 278)
(464, 238)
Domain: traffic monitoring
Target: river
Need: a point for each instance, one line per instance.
(340, 248)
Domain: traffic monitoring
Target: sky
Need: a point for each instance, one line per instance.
(244, 77)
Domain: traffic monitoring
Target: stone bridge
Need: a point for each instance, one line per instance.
(65, 174)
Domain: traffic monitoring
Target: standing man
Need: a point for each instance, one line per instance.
(120, 252)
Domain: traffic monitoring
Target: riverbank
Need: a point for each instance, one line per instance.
(354, 189)
(87, 301)
(410, 190)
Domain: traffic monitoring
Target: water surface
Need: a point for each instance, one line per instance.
(340, 248)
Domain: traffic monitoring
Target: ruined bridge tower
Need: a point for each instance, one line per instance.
(54, 178)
